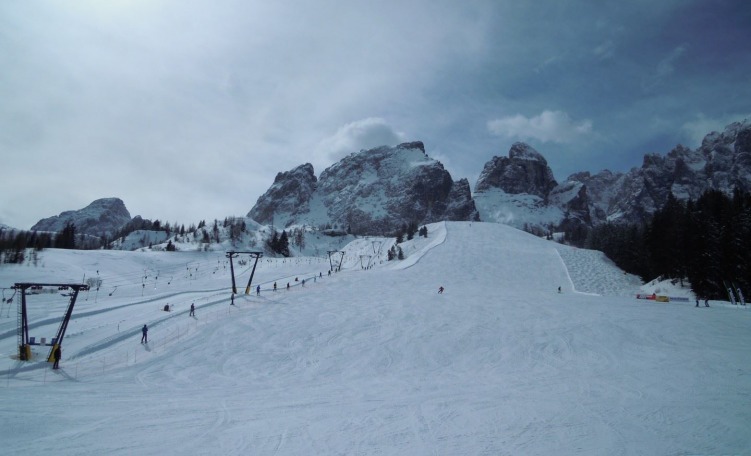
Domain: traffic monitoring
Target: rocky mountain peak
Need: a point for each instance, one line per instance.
(289, 194)
(103, 216)
(412, 145)
(523, 151)
(373, 191)
(524, 171)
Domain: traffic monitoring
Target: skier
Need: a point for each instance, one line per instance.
(706, 303)
(559, 289)
(57, 355)
(697, 302)
(274, 286)
(303, 282)
(192, 310)
(440, 290)
(287, 286)
(258, 290)
(144, 336)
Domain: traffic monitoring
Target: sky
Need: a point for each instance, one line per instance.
(325, 369)
(187, 110)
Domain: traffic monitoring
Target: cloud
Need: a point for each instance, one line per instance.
(665, 68)
(549, 126)
(605, 50)
(667, 65)
(361, 134)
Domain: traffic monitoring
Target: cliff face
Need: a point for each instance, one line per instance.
(524, 171)
(370, 192)
(102, 217)
(521, 189)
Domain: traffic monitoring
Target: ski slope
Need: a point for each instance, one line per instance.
(375, 361)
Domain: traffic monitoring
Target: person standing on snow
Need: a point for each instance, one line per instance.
(192, 310)
(440, 290)
(58, 353)
(144, 336)
(258, 290)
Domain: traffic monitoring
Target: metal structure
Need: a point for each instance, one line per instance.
(341, 259)
(367, 265)
(232, 254)
(24, 345)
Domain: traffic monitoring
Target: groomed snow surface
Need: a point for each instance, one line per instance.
(374, 361)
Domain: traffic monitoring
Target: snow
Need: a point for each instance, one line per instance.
(374, 361)
(517, 210)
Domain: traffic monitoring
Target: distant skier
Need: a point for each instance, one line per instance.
(144, 336)
(287, 286)
(303, 282)
(258, 290)
(706, 303)
(274, 286)
(57, 355)
(559, 289)
(192, 310)
(440, 290)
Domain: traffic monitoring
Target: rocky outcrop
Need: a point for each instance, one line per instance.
(102, 217)
(520, 190)
(370, 192)
(289, 195)
(722, 162)
(524, 171)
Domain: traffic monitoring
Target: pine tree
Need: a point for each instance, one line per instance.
(284, 244)
(66, 239)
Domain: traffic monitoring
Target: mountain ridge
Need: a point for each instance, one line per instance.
(376, 191)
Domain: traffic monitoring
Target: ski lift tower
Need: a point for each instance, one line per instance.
(333, 253)
(231, 255)
(24, 343)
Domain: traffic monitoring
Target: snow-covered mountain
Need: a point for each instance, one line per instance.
(722, 162)
(378, 190)
(521, 190)
(102, 217)
(368, 192)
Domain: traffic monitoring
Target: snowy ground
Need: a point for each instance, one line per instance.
(374, 361)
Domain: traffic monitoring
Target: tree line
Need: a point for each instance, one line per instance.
(706, 242)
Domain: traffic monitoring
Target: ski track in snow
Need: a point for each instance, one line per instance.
(376, 362)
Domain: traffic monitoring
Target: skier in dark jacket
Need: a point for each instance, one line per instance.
(58, 353)
(192, 310)
(144, 337)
